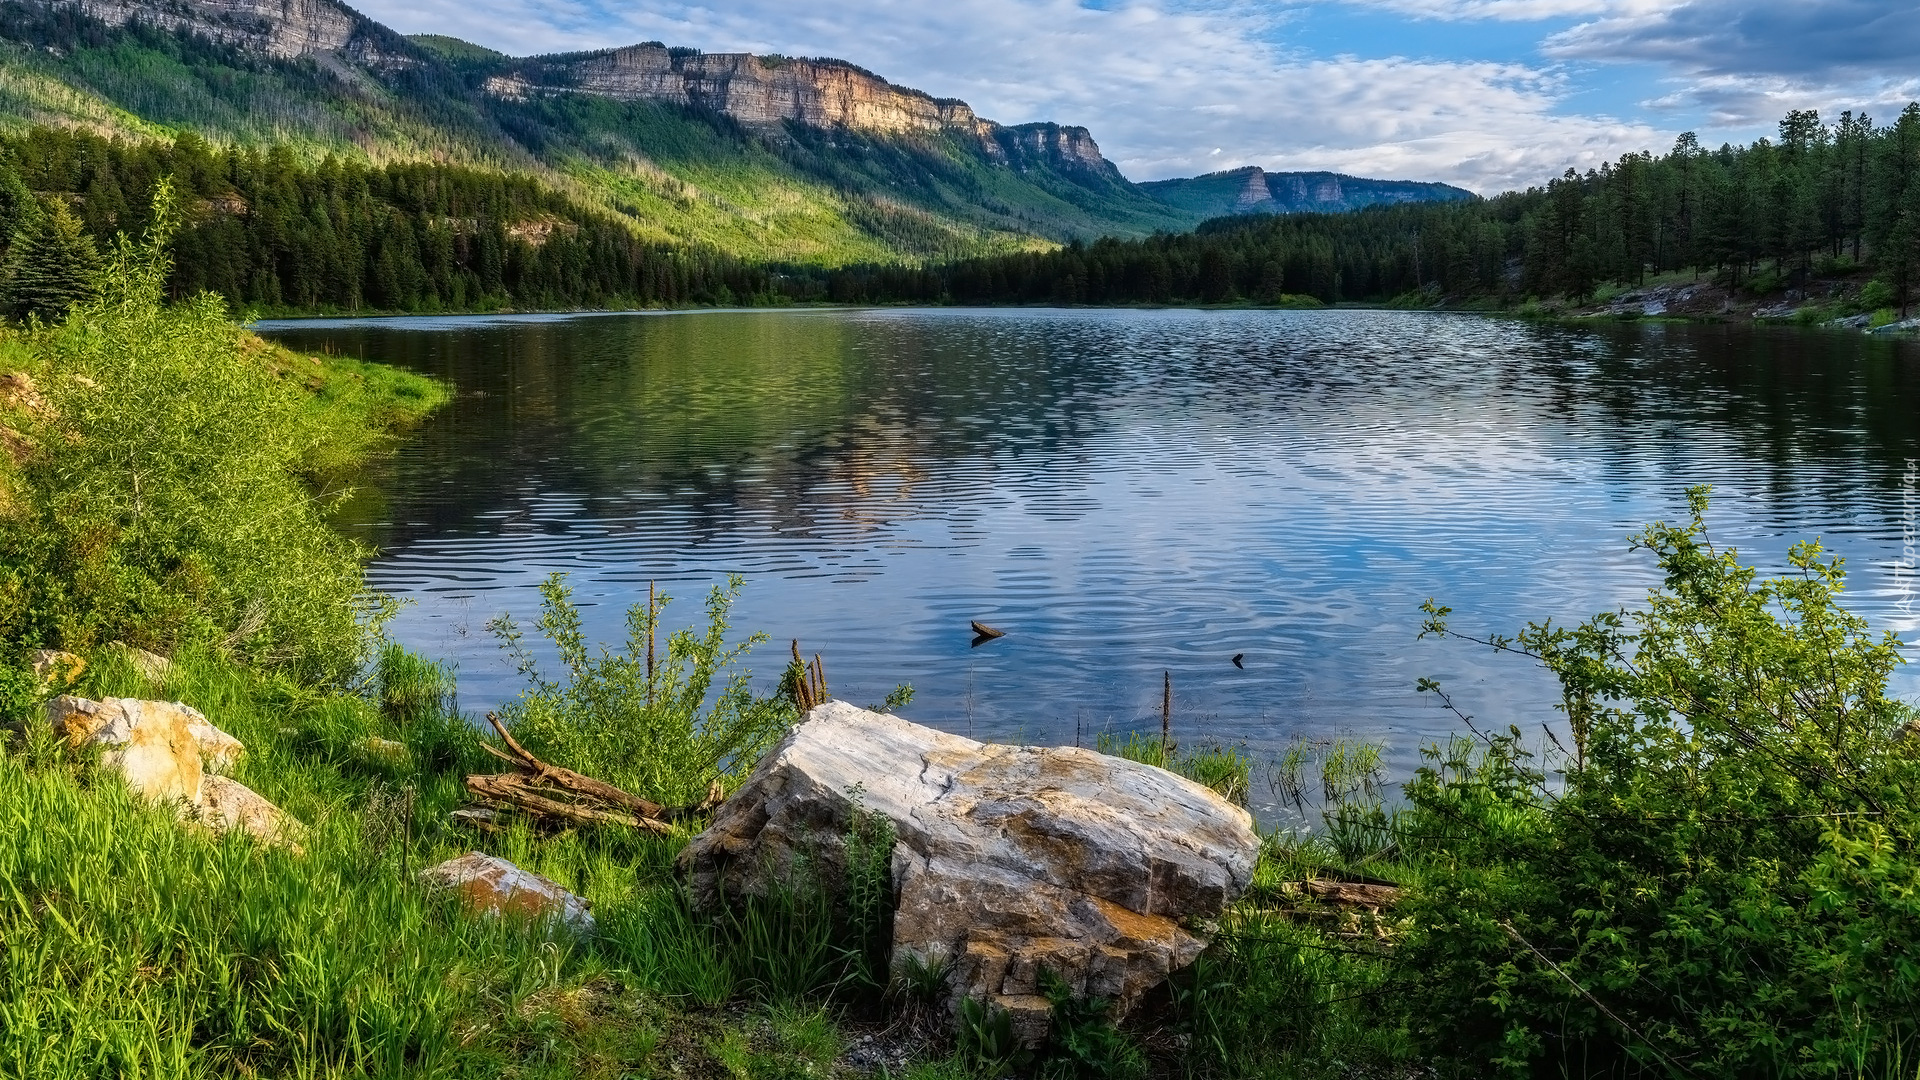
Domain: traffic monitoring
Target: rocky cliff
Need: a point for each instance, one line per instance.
(760, 92)
(766, 92)
(1253, 190)
(282, 29)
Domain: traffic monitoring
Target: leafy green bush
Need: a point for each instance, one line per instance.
(643, 725)
(1718, 875)
(166, 506)
(1876, 294)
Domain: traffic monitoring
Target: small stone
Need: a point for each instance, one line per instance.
(479, 817)
(492, 886)
(385, 751)
(226, 804)
(56, 668)
(152, 666)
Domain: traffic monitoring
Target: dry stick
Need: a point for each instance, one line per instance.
(1166, 720)
(569, 780)
(1596, 1002)
(653, 620)
(517, 790)
(512, 789)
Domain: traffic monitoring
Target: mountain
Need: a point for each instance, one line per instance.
(807, 161)
(1251, 190)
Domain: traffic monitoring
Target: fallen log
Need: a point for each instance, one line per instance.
(560, 795)
(1350, 894)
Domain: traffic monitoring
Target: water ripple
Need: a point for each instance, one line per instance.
(1126, 493)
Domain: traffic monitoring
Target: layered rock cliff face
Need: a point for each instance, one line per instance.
(760, 92)
(767, 92)
(283, 29)
(1252, 190)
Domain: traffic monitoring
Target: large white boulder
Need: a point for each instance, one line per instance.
(113, 722)
(150, 744)
(1009, 860)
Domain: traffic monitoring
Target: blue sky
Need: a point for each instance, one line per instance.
(1488, 94)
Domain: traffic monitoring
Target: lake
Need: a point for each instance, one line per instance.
(1125, 493)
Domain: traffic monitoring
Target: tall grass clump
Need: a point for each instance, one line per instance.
(137, 947)
(1228, 770)
(665, 727)
(163, 503)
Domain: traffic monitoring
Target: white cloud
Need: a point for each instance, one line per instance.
(1742, 63)
(1160, 86)
(1507, 10)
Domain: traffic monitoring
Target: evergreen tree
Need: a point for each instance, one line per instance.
(51, 266)
(17, 207)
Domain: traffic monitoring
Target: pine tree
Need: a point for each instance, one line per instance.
(51, 266)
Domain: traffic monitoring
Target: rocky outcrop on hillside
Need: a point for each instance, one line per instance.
(769, 91)
(1253, 190)
(283, 29)
(756, 91)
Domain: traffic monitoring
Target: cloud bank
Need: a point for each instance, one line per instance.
(1742, 64)
(1178, 87)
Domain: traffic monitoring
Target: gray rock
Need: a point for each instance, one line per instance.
(1009, 859)
(489, 885)
(54, 667)
(226, 805)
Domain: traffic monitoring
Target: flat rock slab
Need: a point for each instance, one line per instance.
(1009, 860)
(489, 885)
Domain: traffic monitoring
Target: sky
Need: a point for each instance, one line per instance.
(1491, 95)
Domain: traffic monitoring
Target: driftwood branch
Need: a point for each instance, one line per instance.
(554, 794)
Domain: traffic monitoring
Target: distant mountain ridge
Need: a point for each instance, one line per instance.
(757, 91)
(768, 158)
(1252, 190)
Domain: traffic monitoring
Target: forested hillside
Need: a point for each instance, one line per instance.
(671, 172)
(273, 234)
(1824, 200)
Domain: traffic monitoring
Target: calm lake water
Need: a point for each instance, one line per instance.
(1125, 493)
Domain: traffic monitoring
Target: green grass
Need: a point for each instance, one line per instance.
(1228, 770)
(154, 950)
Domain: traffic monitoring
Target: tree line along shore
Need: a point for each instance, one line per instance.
(1827, 215)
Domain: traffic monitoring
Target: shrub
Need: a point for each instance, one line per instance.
(1722, 880)
(166, 507)
(1875, 295)
(643, 725)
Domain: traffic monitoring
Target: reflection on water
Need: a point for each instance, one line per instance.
(1123, 492)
